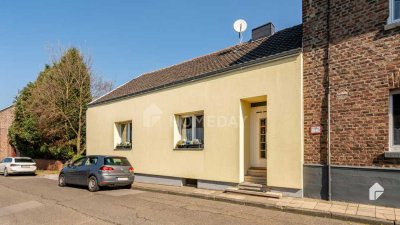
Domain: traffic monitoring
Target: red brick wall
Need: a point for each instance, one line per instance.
(6, 118)
(49, 164)
(361, 64)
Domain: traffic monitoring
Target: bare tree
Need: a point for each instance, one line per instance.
(100, 87)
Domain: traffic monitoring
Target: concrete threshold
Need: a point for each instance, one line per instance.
(285, 204)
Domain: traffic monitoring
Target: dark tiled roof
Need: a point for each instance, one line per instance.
(282, 41)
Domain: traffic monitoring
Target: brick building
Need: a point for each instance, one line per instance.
(351, 51)
(6, 118)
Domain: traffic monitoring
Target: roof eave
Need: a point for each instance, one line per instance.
(256, 62)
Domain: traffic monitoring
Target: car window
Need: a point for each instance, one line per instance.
(116, 161)
(79, 162)
(91, 161)
(23, 160)
(7, 160)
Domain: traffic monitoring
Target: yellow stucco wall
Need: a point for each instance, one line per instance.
(222, 99)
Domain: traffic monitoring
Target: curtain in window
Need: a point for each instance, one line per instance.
(396, 119)
(128, 133)
(123, 133)
(187, 128)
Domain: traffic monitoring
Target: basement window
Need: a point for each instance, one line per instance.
(191, 131)
(394, 7)
(123, 137)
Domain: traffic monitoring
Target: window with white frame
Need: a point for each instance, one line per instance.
(191, 131)
(394, 121)
(124, 135)
(394, 11)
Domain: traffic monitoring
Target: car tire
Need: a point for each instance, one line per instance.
(5, 173)
(61, 180)
(128, 186)
(93, 185)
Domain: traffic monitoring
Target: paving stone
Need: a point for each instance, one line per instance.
(366, 212)
(323, 206)
(385, 216)
(309, 205)
(385, 210)
(338, 208)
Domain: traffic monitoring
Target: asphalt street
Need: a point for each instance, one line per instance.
(29, 200)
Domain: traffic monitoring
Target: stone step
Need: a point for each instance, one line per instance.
(249, 184)
(257, 168)
(257, 180)
(257, 173)
(252, 188)
(254, 193)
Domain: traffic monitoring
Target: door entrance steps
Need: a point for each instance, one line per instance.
(255, 184)
(257, 175)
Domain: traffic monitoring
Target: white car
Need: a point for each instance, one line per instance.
(17, 165)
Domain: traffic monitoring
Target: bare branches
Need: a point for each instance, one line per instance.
(100, 87)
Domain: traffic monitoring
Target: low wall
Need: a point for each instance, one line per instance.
(49, 164)
(353, 184)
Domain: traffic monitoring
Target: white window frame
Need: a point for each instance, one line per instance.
(391, 18)
(118, 130)
(180, 119)
(391, 146)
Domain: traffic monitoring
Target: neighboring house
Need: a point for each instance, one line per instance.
(6, 119)
(214, 121)
(352, 75)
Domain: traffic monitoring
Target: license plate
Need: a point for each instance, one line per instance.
(122, 178)
(25, 166)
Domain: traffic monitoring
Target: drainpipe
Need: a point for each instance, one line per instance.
(329, 103)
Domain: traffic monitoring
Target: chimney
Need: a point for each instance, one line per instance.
(262, 31)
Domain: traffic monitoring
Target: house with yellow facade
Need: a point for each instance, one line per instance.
(231, 117)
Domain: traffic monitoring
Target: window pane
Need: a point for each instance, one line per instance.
(396, 9)
(23, 160)
(79, 162)
(129, 132)
(186, 128)
(116, 161)
(200, 128)
(123, 133)
(396, 119)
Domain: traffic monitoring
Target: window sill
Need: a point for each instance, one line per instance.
(392, 25)
(188, 149)
(392, 154)
(123, 149)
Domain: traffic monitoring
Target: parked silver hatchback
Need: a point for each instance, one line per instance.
(97, 171)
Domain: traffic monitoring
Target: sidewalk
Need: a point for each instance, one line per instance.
(337, 210)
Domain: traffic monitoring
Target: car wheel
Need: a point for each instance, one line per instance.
(61, 180)
(128, 186)
(5, 173)
(93, 186)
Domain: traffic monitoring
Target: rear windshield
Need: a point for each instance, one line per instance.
(25, 160)
(116, 161)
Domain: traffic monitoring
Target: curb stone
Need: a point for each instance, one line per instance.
(308, 212)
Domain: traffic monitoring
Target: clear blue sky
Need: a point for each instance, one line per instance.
(124, 38)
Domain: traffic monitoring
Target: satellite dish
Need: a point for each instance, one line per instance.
(240, 26)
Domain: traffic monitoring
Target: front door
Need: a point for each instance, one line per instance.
(258, 136)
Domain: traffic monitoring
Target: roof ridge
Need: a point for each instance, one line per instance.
(202, 56)
(235, 54)
(215, 52)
